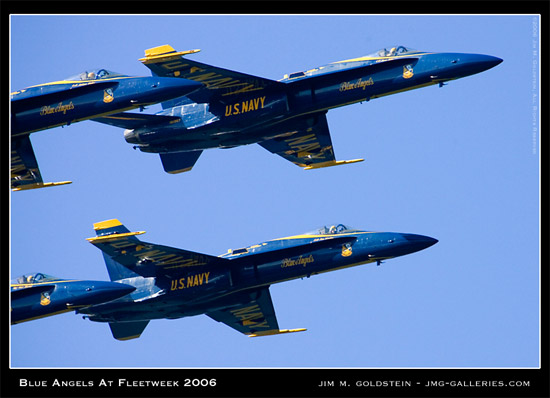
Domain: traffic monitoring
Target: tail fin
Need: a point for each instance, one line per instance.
(126, 256)
(104, 230)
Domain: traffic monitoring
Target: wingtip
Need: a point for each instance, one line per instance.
(40, 185)
(275, 332)
(332, 163)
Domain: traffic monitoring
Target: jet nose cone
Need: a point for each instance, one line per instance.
(418, 242)
(485, 62)
(469, 64)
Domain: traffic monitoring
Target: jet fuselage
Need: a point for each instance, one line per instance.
(206, 288)
(261, 115)
(80, 98)
(37, 296)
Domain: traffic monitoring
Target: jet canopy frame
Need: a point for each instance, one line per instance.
(332, 229)
(32, 278)
(95, 74)
(392, 51)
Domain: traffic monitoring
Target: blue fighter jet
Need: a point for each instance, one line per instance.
(232, 288)
(90, 94)
(287, 117)
(38, 295)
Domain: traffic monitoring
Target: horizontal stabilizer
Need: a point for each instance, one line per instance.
(127, 330)
(114, 236)
(132, 121)
(179, 162)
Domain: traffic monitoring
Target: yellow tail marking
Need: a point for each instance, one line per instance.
(164, 51)
(107, 224)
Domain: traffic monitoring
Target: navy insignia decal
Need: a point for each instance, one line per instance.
(408, 71)
(45, 299)
(108, 95)
(346, 250)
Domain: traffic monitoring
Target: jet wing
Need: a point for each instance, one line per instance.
(307, 144)
(128, 120)
(25, 173)
(165, 61)
(255, 317)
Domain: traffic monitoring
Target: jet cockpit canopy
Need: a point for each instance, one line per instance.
(38, 277)
(392, 51)
(332, 229)
(95, 74)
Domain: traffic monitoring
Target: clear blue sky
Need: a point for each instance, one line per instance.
(458, 163)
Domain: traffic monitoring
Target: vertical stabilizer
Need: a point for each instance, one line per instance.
(111, 227)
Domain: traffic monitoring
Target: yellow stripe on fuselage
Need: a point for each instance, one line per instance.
(366, 58)
(79, 82)
(306, 236)
(25, 285)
